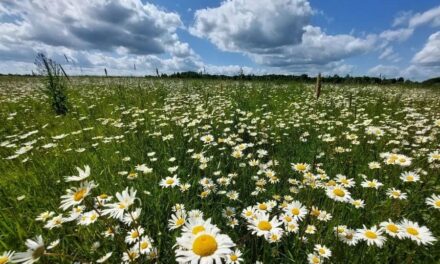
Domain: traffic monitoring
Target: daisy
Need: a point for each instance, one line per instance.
(344, 181)
(372, 236)
(396, 194)
(125, 200)
(131, 255)
(391, 228)
(177, 220)
(170, 182)
(264, 207)
(274, 236)
(248, 212)
(82, 174)
(8, 255)
(358, 203)
(43, 217)
(57, 221)
(348, 237)
(409, 176)
(204, 247)
(234, 257)
(419, 234)
(371, 184)
(434, 156)
(314, 259)
(323, 251)
(310, 229)
(207, 139)
(196, 225)
(34, 252)
(300, 167)
(433, 201)
(338, 193)
(261, 225)
(145, 245)
(134, 235)
(76, 195)
(296, 210)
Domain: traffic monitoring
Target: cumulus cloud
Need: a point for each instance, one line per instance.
(113, 34)
(103, 25)
(317, 48)
(275, 33)
(250, 25)
(430, 53)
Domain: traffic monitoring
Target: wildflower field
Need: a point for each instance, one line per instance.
(146, 170)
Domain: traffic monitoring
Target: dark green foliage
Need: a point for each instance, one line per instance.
(55, 83)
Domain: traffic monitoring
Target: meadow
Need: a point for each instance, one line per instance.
(146, 170)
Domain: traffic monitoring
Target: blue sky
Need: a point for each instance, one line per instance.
(388, 38)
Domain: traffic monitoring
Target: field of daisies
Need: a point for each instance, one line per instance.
(169, 171)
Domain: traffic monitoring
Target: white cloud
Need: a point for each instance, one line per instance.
(316, 47)
(430, 53)
(101, 25)
(275, 33)
(94, 34)
(253, 25)
(431, 17)
(397, 35)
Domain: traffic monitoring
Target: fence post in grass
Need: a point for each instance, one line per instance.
(318, 86)
(350, 98)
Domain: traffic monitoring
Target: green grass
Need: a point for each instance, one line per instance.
(128, 113)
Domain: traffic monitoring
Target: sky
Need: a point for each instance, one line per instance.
(394, 38)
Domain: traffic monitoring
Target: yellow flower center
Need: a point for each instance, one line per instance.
(412, 231)
(315, 259)
(233, 257)
(169, 181)
(248, 213)
(393, 228)
(262, 207)
(370, 234)
(4, 259)
(331, 183)
(103, 196)
(295, 211)
(264, 225)
(180, 221)
(204, 245)
(288, 218)
(135, 234)
(321, 251)
(144, 245)
(339, 192)
(301, 167)
(437, 203)
(410, 178)
(198, 229)
(122, 206)
(79, 195)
